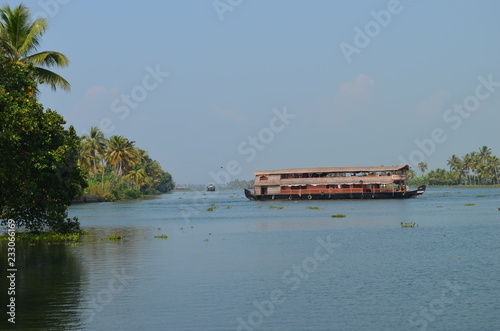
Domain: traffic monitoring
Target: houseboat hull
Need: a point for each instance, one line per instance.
(333, 183)
(339, 196)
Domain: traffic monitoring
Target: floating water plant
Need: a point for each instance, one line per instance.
(211, 208)
(338, 216)
(312, 207)
(163, 236)
(227, 207)
(275, 207)
(115, 237)
(50, 237)
(439, 206)
(470, 204)
(409, 225)
(480, 196)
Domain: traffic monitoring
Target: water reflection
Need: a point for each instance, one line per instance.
(48, 287)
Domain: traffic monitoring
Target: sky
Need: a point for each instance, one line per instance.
(216, 90)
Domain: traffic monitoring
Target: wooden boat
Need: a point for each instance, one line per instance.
(210, 187)
(333, 183)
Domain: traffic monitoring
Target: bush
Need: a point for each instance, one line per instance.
(132, 194)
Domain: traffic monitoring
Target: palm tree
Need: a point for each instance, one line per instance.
(121, 154)
(136, 177)
(494, 166)
(470, 163)
(422, 166)
(95, 145)
(484, 154)
(19, 40)
(455, 164)
(84, 161)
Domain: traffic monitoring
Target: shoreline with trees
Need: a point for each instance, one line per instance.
(474, 169)
(116, 169)
(44, 166)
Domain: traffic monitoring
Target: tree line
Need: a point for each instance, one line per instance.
(117, 169)
(43, 165)
(475, 168)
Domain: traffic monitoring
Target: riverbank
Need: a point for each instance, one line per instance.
(87, 198)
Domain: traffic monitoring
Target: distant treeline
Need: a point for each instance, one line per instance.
(474, 168)
(232, 185)
(118, 170)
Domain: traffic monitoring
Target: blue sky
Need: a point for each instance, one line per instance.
(215, 90)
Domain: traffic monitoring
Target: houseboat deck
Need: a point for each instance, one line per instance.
(385, 182)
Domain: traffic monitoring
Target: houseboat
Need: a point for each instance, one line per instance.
(385, 182)
(210, 187)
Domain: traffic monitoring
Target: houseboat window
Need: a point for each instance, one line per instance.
(263, 178)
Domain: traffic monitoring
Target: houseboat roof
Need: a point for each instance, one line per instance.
(331, 169)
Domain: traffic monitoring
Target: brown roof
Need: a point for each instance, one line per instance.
(331, 169)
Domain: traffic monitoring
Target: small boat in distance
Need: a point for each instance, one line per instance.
(333, 183)
(210, 187)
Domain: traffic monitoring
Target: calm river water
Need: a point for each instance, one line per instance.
(256, 266)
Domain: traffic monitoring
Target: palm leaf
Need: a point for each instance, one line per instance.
(20, 38)
(48, 59)
(44, 76)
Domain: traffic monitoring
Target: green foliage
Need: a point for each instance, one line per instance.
(338, 216)
(39, 174)
(46, 237)
(469, 204)
(115, 237)
(20, 37)
(163, 236)
(409, 225)
(275, 207)
(312, 207)
(118, 170)
(474, 168)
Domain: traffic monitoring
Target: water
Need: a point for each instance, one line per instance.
(245, 266)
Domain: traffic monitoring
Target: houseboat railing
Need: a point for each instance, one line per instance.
(316, 190)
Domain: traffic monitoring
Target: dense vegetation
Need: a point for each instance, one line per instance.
(39, 175)
(118, 170)
(474, 168)
(43, 165)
